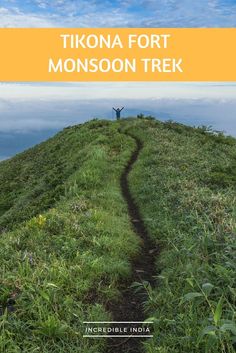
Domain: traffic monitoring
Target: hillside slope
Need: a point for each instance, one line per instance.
(61, 266)
(34, 180)
(184, 182)
(67, 241)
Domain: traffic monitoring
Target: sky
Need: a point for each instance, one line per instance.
(117, 13)
(31, 112)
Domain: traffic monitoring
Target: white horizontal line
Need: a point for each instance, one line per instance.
(120, 336)
(117, 322)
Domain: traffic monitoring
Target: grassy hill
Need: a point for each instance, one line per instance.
(67, 241)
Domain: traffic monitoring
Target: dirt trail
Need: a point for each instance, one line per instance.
(130, 306)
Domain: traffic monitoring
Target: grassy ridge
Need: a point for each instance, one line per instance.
(61, 266)
(32, 181)
(66, 239)
(184, 183)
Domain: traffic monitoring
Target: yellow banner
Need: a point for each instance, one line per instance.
(118, 54)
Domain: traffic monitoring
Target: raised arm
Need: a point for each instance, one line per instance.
(122, 108)
(114, 109)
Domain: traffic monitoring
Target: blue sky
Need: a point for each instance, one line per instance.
(29, 113)
(118, 13)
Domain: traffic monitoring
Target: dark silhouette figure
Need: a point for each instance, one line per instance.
(118, 111)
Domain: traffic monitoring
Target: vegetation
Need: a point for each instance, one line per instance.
(66, 239)
(63, 265)
(184, 183)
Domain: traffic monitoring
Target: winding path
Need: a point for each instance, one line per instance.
(130, 306)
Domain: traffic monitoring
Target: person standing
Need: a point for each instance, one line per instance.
(118, 111)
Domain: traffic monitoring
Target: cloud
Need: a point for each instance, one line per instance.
(17, 18)
(119, 13)
(42, 4)
(38, 107)
(53, 92)
(30, 113)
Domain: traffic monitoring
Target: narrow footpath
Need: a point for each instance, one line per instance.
(131, 305)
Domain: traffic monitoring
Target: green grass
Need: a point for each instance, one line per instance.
(63, 265)
(66, 239)
(184, 183)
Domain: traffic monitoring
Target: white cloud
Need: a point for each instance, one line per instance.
(114, 90)
(34, 107)
(42, 4)
(16, 18)
(124, 13)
